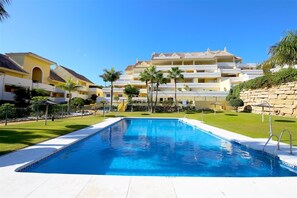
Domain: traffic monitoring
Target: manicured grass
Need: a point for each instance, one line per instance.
(17, 136)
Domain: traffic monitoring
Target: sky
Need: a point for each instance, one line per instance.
(91, 35)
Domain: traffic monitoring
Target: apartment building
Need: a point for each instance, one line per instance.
(32, 71)
(208, 76)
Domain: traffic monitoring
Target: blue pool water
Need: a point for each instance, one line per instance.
(159, 147)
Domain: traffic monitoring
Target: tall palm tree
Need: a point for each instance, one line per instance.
(160, 79)
(175, 73)
(285, 51)
(152, 73)
(144, 77)
(111, 76)
(3, 12)
(69, 86)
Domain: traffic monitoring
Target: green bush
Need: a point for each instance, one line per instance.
(237, 102)
(11, 111)
(269, 80)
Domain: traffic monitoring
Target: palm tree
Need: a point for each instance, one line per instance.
(285, 51)
(144, 77)
(111, 76)
(160, 79)
(175, 73)
(69, 86)
(152, 73)
(3, 12)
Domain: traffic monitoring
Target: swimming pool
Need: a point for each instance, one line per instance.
(159, 147)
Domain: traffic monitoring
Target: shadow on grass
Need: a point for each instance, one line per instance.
(284, 121)
(230, 114)
(145, 114)
(77, 126)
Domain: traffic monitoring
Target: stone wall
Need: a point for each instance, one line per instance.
(283, 98)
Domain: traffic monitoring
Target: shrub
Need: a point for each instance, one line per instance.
(269, 80)
(9, 108)
(237, 102)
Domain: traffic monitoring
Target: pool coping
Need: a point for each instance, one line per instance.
(19, 184)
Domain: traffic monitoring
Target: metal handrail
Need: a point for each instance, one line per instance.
(280, 137)
(272, 135)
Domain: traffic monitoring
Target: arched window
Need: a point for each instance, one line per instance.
(37, 75)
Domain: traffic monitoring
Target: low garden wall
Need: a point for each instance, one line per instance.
(283, 98)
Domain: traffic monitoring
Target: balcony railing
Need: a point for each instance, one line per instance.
(132, 82)
(252, 72)
(202, 75)
(226, 64)
(191, 85)
(192, 93)
(230, 71)
(43, 86)
(186, 67)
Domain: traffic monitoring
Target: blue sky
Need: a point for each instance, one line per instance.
(91, 35)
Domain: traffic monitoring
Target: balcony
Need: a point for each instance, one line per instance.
(252, 72)
(43, 86)
(57, 99)
(230, 71)
(125, 77)
(247, 65)
(115, 90)
(226, 64)
(191, 85)
(83, 88)
(202, 75)
(192, 93)
(186, 67)
(11, 80)
(125, 82)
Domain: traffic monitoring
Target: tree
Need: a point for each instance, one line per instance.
(22, 96)
(175, 73)
(77, 102)
(285, 51)
(160, 79)
(3, 12)
(237, 102)
(69, 86)
(111, 76)
(131, 91)
(144, 77)
(152, 74)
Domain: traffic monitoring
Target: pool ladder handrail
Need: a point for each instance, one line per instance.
(280, 137)
(270, 137)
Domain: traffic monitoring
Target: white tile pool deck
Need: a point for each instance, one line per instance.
(16, 184)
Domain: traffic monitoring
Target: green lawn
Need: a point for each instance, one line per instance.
(16, 136)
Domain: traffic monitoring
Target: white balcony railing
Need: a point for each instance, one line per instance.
(191, 85)
(252, 72)
(186, 67)
(43, 86)
(230, 71)
(125, 82)
(83, 88)
(202, 75)
(115, 90)
(227, 64)
(192, 93)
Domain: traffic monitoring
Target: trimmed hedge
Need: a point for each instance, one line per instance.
(269, 80)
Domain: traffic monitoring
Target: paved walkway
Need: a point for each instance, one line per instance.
(16, 184)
